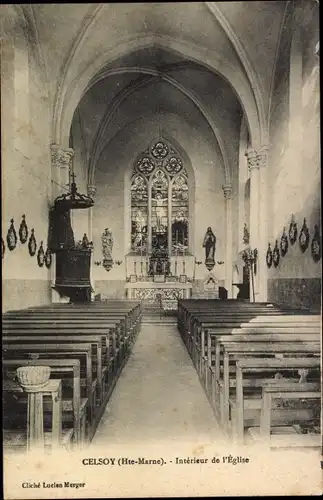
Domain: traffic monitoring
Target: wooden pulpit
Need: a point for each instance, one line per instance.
(73, 274)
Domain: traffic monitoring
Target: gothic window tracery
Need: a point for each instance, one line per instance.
(159, 201)
(139, 213)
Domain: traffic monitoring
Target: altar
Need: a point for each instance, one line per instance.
(152, 291)
(165, 284)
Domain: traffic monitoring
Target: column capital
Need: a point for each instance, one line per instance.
(262, 156)
(227, 190)
(61, 157)
(251, 155)
(91, 190)
(257, 157)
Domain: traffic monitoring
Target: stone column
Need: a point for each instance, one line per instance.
(262, 270)
(257, 163)
(254, 215)
(91, 191)
(61, 167)
(227, 190)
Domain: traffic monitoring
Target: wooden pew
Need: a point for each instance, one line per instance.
(239, 349)
(297, 318)
(200, 326)
(132, 317)
(67, 320)
(196, 322)
(83, 352)
(114, 343)
(208, 338)
(97, 306)
(188, 307)
(228, 315)
(106, 358)
(202, 322)
(111, 329)
(279, 329)
(303, 335)
(126, 317)
(60, 367)
(210, 370)
(286, 436)
(259, 366)
(204, 341)
(223, 315)
(44, 317)
(24, 337)
(134, 312)
(115, 323)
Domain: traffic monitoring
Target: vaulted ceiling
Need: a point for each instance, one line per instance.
(111, 64)
(155, 82)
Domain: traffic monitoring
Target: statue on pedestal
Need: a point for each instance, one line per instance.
(107, 244)
(209, 245)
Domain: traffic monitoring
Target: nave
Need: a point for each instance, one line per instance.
(167, 155)
(248, 372)
(158, 396)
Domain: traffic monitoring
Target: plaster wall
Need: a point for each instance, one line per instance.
(294, 158)
(26, 168)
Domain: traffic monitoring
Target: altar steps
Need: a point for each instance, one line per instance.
(164, 320)
(153, 315)
(155, 318)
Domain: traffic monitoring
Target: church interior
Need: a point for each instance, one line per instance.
(164, 255)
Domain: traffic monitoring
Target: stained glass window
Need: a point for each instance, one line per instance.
(159, 201)
(159, 209)
(180, 214)
(139, 214)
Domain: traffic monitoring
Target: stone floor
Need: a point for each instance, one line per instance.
(158, 396)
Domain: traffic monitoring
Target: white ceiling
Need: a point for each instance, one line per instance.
(100, 51)
(255, 24)
(182, 87)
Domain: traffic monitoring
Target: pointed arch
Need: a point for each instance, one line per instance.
(251, 73)
(72, 91)
(125, 93)
(155, 217)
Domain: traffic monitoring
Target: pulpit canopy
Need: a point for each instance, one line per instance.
(73, 200)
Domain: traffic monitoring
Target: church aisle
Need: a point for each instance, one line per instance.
(158, 396)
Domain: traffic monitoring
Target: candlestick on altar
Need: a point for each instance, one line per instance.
(176, 250)
(183, 243)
